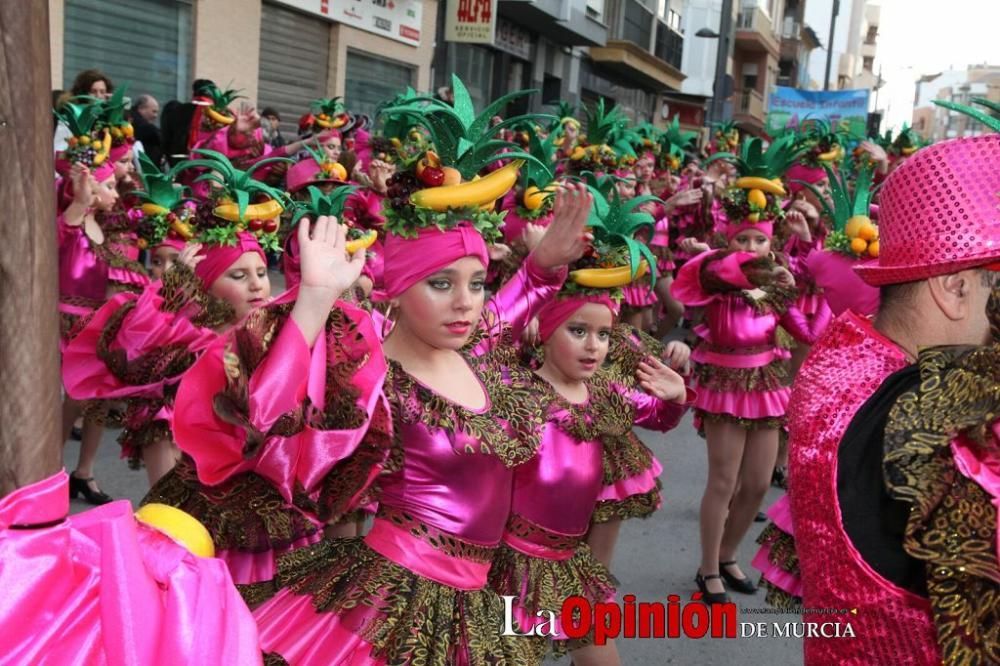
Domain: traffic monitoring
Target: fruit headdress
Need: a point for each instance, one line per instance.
(230, 210)
(442, 186)
(607, 141)
(330, 170)
(85, 145)
(538, 178)
(616, 257)
(755, 197)
(215, 103)
(328, 113)
(903, 145)
(725, 138)
(319, 204)
(852, 232)
(394, 139)
(166, 212)
(676, 146)
(112, 118)
(822, 145)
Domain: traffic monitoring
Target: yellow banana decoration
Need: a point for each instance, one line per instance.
(218, 117)
(909, 150)
(475, 193)
(180, 526)
(362, 243)
(261, 211)
(762, 184)
(831, 155)
(153, 209)
(756, 198)
(105, 149)
(608, 278)
(182, 229)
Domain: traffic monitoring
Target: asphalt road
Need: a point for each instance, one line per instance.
(655, 557)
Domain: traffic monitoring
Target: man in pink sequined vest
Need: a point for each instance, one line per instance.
(940, 236)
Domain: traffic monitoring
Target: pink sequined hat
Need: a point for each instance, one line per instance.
(939, 213)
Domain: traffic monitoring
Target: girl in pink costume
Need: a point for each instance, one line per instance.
(101, 587)
(139, 347)
(416, 584)
(544, 557)
(740, 374)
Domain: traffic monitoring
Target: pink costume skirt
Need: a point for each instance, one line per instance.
(541, 569)
(250, 523)
(777, 560)
(749, 387)
(631, 483)
(404, 593)
(639, 294)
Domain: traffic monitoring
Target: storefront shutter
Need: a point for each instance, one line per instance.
(143, 43)
(294, 59)
(371, 80)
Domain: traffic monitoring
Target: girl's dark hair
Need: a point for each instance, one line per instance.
(85, 79)
(175, 123)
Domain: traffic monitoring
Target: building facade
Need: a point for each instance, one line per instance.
(935, 123)
(279, 53)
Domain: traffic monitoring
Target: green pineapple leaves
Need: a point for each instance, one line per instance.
(322, 204)
(991, 121)
(754, 161)
(615, 223)
(235, 184)
(158, 186)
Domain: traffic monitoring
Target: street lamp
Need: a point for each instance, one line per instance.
(724, 35)
(708, 33)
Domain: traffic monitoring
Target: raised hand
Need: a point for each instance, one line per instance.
(566, 238)
(532, 235)
(659, 381)
(686, 198)
(247, 119)
(798, 224)
(324, 261)
(84, 185)
(189, 255)
(677, 355)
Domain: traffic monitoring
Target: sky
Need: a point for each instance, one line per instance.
(918, 37)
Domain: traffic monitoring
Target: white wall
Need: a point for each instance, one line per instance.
(698, 62)
(818, 18)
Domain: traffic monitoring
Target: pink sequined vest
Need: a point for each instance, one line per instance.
(891, 625)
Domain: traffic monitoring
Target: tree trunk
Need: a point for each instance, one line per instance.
(30, 449)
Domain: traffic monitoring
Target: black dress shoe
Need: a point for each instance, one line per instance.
(761, 517)
(76, 434)
(710, 597)
(742, 585)
(78, 486)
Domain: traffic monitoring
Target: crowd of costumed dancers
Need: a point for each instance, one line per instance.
(431, 427)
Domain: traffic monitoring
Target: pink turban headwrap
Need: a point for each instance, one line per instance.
(172, 243)
(409, 260)
(811, 175)
(218, 258)
(119, 151)
(558, 312)
(733, 229)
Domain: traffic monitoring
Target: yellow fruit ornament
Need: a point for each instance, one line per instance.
(873, 249)
(854, 225)
(179, 526)
(859, 245)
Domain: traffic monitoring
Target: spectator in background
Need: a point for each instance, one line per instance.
(92, 82)
(145, 112)
(270, 123)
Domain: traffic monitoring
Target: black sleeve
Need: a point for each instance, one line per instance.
(874, 521)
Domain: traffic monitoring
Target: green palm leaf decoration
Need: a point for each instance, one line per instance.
(461, 138)
(159, 187)
(541, 171)
(235, 186)
(221, 99)
(754, 162)
(162, 203)
(615, 224)
(991, 121)
(79, 117)
(611, 128)
(846, 205)
(320, 204)
(726, 136)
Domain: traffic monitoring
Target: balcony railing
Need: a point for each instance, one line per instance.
(669, 45)
(754, 19)
(752, 103)
(790, 29)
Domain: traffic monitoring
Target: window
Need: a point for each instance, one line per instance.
(143, 43)
(872, 34)
(595, 8)
(868, 62)
(474, 65)
(669, 45)
(638, 24)
(551, 90)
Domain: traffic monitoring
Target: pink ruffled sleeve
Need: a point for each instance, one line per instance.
(655, 414)
(132, 347)
(519, 300)
(260, 400)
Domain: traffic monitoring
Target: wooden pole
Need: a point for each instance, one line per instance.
(30, 449)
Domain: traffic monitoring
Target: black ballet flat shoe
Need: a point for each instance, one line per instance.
(741, 585)
(761, 517)
(78, 486)
(76, 434)
(710, 597)
(779, 478)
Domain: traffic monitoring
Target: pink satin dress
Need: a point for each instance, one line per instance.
(556, 494)
(441, 516)
(83, 277)
(99, 587)
(739, 368)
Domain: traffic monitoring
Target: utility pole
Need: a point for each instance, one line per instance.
(30, 439)
(829, 44)
(721, 61)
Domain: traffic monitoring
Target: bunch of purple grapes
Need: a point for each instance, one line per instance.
(399, 187)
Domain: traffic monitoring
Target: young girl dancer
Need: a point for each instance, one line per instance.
(544, 558)
(740, 374)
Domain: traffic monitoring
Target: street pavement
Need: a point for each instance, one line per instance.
(655, 557)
